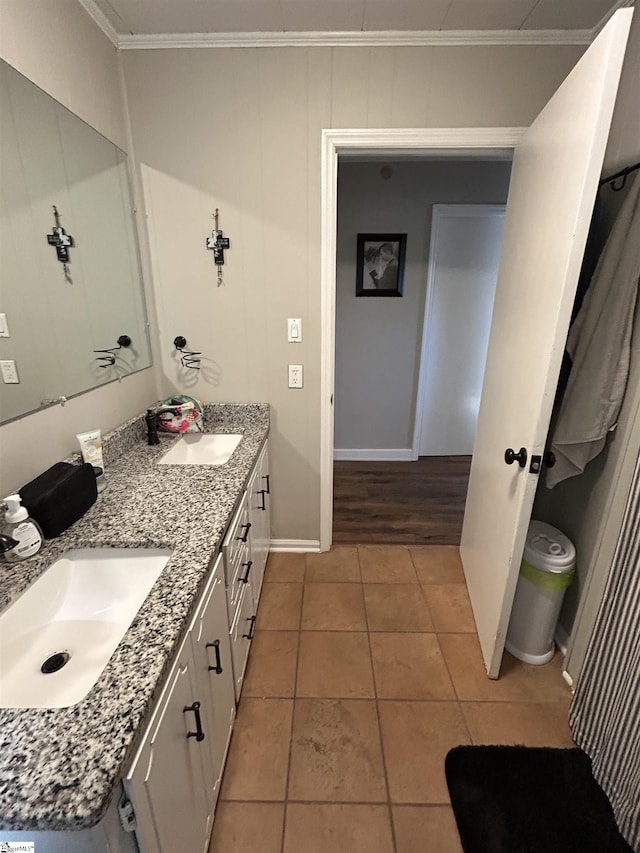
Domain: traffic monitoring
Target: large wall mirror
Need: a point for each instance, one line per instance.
(54, 316)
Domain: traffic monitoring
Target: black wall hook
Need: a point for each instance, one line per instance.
(189, 358)
(108, 355)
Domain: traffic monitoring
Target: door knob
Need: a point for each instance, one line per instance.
(549, 458)
(510, 456)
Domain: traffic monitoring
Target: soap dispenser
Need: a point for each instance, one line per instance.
(19, 526)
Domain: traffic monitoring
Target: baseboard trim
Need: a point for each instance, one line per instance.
(399, 454)
(311, 546)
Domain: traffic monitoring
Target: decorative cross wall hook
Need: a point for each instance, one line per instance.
(62, 241)
(218, 242)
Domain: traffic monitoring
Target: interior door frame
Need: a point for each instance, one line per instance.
(440, 210)
(482, 143)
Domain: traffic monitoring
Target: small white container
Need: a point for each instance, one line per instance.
(547, 569)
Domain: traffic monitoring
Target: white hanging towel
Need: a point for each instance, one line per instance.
(599, 344)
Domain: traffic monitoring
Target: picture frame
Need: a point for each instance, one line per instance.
(380, 263)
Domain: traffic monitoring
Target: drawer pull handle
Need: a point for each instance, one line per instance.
(266, 477)
(247, 528)
(198, 734)
(218, 667)
(245, 579)
(262, 493)
(249, 636)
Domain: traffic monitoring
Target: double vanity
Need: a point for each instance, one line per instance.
(136, 762)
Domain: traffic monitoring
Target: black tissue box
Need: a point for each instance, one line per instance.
(60, 496)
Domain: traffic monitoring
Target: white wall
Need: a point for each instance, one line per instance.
(239, 129)
(378, 340)
(58, 47)
(582, 506)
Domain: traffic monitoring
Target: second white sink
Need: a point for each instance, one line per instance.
(202, 449)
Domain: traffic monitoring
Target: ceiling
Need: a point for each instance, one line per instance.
(173, 17)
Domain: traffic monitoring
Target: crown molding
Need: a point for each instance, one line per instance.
(99, 18)
(440, 38)
(400, 38)
(619, 4)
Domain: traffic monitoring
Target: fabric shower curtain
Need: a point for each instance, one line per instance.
(605, 712)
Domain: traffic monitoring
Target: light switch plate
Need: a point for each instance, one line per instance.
(295, 376)
(9, 372)
(4, 327)
(294, 330)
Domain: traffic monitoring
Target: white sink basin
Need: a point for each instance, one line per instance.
(77, 611)
(202, 449)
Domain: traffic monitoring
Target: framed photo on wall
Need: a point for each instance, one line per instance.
(380, 264)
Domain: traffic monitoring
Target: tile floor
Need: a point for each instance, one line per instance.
(364, 671)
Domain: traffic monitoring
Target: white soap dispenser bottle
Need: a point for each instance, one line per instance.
(23, 529)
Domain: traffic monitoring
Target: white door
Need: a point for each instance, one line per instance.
(551, 195)
(461, 282)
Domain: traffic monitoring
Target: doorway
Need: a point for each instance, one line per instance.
(462, 143)
(450, 210)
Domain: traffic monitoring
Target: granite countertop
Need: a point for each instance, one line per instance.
(58, 767)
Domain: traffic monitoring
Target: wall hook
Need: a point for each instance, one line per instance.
(189, 358)
(218, 242)
(108, 355)
(60, 239)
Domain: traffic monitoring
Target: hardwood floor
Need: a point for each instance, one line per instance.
(400, 503)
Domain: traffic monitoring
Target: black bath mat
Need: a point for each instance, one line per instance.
(517, 799)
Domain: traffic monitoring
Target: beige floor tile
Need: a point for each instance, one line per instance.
(248, 828)
(450, 607)
(426, 829)
(396, 607)
(279, 608)
(256, 768)
(410, 666)
(337, 828)
(335, 664)
(284, 567)
(333, 607)
(336, 753)
(339, 565)
(416, 737)
(386, 564)
(526, 723)
(271, 670)
(518, 682)
(438, 564)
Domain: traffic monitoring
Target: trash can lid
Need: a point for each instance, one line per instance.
(548, 548)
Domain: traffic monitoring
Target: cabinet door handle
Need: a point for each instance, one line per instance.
(247, 528)
(266, 477)
(262, 493)
(198, 734)
(218, 667)
(249, 636)
(245, 579)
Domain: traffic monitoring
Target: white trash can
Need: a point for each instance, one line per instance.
(547, 569)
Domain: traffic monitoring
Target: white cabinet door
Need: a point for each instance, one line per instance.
(166, 783)
(241, 634)
(259, 496)
(214, 673)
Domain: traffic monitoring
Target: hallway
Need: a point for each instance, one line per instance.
(364, 671)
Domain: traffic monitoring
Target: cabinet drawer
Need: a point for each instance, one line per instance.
(236, 584)
(237, 536)
(241, 633)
